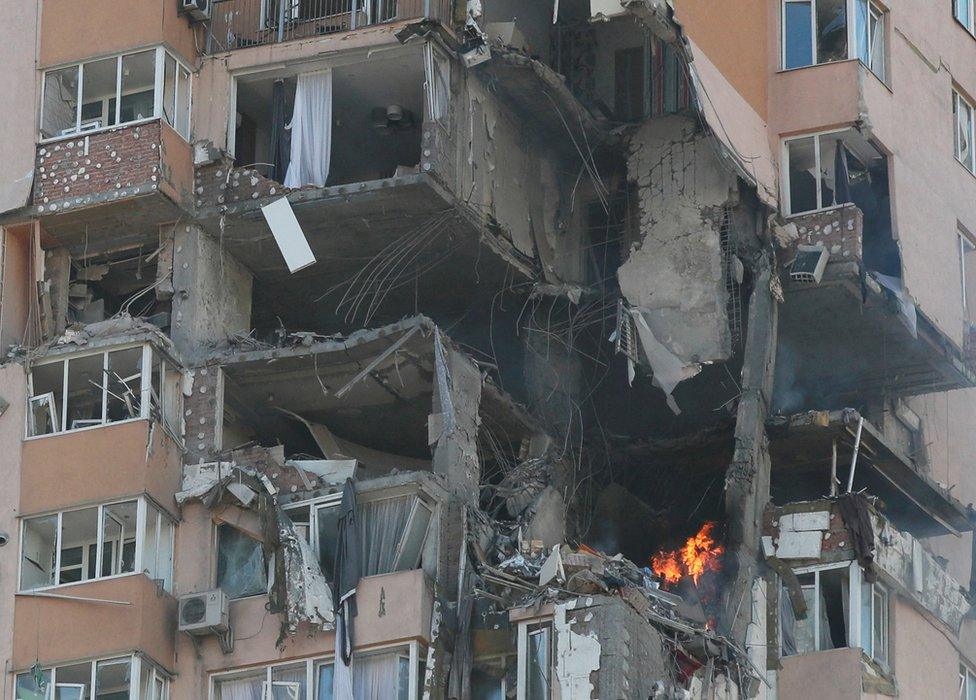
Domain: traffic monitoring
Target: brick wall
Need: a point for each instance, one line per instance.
(94, 168)
(839, 230)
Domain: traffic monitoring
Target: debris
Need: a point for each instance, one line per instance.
(288, 235)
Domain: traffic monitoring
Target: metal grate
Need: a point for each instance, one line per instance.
(733, 289)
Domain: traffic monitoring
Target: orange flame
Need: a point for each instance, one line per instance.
(699, 554)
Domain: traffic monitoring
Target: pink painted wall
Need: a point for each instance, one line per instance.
(13, 389)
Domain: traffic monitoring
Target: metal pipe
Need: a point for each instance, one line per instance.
(857, 447)
(833, 468)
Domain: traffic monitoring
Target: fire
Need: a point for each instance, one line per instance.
(699, 554)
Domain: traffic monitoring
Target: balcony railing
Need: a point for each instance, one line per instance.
(237, 24)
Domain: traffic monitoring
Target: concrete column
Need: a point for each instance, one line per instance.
(212, 295)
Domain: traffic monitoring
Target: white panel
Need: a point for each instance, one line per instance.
(288, 234)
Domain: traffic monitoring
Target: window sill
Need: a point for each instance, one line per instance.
(41, 141)
(85, 429)
(822, 210)
(39, 592)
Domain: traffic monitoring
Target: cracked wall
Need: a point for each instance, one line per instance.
(675, 275)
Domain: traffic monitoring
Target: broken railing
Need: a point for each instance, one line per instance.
(237, 24)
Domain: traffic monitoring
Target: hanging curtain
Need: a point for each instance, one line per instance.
(241, 689)
(382, 524)
(348, 570)
(376, 677)
(842, 178)
(311, 131)
(280, 136)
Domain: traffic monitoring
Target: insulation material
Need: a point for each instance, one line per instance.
(303, 593)
(577, 655)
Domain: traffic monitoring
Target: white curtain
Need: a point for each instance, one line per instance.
(382, 524)
(241, 688)
(376, 677)
(311, 131)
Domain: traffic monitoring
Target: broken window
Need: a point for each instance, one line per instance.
(964, 12)
(392, 673)
(535, 654)
(816, 31)
(92, 543)
(965, 131)
(102, 679)
(83, 391)
(240, 563)
(115, 91)
(831, 593)
(967, 683)
(392, 531)
(832, 168)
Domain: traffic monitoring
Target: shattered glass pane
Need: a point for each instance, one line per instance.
(831, 30)
(60, 107)
(240, 563)
(124, 384)
(538, 667)
(37, 552)
(31, 688)
(802, 175)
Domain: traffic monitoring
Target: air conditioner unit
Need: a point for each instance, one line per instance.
(197, 9)
(204, 613)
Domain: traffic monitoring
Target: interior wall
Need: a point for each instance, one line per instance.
(15, 279)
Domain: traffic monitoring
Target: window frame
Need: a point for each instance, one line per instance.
(216, 561)
(852, 38)
(135, 660)
(785, 170)
(537, 625)
(159, 62)
(969, 24)
(856, 584)
(411, 651)
(138, 568)
(958, 102)
(146, 390)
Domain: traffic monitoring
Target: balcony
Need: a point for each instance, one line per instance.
(238, 24)
(118, 184)
(802, 677)
(856, 333)
(801, 448)
(110, 617)
(99, 464)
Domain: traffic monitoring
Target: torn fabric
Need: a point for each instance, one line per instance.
(669, 369)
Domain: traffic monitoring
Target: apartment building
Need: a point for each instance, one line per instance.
(400, 349)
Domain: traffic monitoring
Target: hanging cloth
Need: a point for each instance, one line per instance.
(311, 131)
(348, 568)
(842, 177)
(280, 135)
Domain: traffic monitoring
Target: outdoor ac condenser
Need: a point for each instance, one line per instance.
(204, 613)
(197, 9)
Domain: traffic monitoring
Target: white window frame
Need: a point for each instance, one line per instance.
(960, 103)
(411, 651)
(145, 390)
(852, 39)
(969, 22)
(967, 679)
(966, 245)
(142, 504)
(855, 580)
(135, 673)
(877, 590)
(522, 669)
(159, 66)
(785, 170)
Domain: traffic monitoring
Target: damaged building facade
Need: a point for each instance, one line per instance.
(408, 349)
